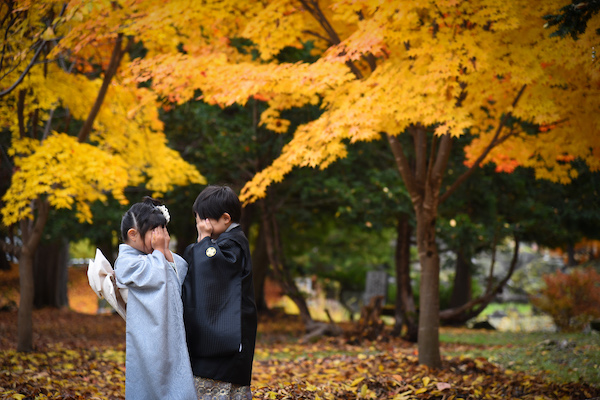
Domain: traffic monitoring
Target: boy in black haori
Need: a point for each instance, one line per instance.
(218, 298)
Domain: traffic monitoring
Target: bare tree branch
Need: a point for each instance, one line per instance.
(34, 122)
(313, 7)
(420, 142)
(441, 161)
(493, 143)
(432, 152)
(21, 111)
(111, 70)
(489, 295)
(9, 12)
(49, 122)
(42, 44)
(316, 34)
(24, 73)
(32, 230)
(403, 166)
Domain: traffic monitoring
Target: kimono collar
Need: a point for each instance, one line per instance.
(125, 248)
(233, 225)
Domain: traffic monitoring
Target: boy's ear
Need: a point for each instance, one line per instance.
(131, 234)
(226, 217)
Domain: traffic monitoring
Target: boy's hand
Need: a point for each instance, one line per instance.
(204, 228)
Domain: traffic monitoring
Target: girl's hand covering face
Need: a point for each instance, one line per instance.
(160, 238)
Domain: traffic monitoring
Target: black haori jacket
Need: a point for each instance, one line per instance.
(219, 308)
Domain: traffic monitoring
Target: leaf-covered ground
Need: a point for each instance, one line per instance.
(81, 356)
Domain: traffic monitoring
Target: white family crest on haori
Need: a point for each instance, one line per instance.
(102, 281)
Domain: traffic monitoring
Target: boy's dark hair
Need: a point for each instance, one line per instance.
(216, 200)
(143, 217)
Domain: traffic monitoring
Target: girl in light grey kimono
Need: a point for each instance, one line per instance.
(157, 360)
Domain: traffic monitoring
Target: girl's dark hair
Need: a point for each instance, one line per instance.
(216, 200)
(142, 217)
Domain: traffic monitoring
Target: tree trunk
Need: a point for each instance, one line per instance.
(423, 182)
(31, 232)
(4, 265)
(429, 294)
(571, 261)
(50, 274)
(31, 229)
(26, 290)
(260, 258)
(111, 70)
(405, 313)
(370, 326)
(461, 290)
(282, 275)
(260, 268)
(107, 248)
(186, 235)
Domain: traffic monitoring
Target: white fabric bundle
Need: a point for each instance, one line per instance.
(102, 281)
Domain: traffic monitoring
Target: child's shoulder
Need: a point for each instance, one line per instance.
(234, 238)
(177, 258)
(125, 249)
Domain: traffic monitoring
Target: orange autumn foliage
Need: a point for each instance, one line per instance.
(571, 299)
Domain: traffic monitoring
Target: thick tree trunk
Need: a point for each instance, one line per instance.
(405, 313)
(31, 230)
(429, 294)
(31, 233)
(50, 274)
(423, 182)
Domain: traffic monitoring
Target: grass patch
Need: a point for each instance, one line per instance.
(521, 308)
(561, 357)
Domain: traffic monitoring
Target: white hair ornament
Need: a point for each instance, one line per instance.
(165, 211)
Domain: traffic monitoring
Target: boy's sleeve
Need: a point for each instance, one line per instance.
(212, 298)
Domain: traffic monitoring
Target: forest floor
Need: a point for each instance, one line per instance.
(82, 356)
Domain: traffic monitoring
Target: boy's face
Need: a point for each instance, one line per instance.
(219, 225)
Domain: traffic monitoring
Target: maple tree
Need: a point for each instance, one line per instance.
(390, 68)
(78, 135)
